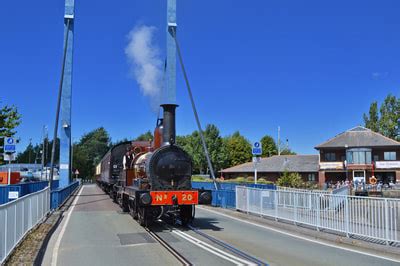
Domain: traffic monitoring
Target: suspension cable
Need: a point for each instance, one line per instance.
(203, 141)
(53, 148)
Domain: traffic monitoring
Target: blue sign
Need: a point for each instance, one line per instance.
(257, 148)
(9, 145)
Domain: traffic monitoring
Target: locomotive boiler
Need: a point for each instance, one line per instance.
(152, 180)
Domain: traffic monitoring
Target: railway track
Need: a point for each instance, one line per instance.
(219, 248)
(168, 247)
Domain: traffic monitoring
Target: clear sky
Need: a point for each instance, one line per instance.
(310, 67)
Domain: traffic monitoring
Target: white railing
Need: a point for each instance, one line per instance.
(19, 216)
(376, 218)
(302, 190)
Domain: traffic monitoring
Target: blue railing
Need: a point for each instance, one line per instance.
(22, 189)
(225, 197)
(60, 195)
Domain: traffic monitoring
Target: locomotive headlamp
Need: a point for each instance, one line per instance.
(145, 199)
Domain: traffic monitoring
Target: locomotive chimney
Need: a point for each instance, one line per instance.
(169, 124)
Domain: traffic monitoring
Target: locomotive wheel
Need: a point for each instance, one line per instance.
(186, 214)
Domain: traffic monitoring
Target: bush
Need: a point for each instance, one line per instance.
(263, 181)
(250, 179)
(239, 180)
(197, 178)
(290, 180)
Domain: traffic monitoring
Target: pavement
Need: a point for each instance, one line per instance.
(97, 233)
(94, 231)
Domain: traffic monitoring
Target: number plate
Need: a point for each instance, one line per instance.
(165, 197)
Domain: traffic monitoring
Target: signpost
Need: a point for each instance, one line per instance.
(9, 150)
(257, 151)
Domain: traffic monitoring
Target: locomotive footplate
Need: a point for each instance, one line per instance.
(185, 197)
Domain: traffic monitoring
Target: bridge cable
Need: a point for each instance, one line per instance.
(53, 148)
(173, 33)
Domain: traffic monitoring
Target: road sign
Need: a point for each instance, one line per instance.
(9, 145)
(9, 157)
(257, 149)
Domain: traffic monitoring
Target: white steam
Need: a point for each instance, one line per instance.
(144, 57)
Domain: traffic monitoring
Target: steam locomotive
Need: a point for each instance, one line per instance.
(152, 179)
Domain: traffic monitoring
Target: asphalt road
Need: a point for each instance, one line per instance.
(95, 232)
(277, 248)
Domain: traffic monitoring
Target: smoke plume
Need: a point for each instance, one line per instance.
(146, 65)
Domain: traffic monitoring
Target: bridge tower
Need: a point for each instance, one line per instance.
(170, 91)
(66, 97)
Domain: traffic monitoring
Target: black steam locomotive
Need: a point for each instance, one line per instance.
(152, 179)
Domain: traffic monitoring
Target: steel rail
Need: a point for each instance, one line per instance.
(218, 242)
(168, 247)
(227, 246)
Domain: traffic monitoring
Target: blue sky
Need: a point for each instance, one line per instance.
(310, 67)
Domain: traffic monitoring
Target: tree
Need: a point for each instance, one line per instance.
(386, 123)
(145, 136)
(372, 120)
(9, 120)
(290, 180)
(193, 146)
(269, 147)
(33, 153)
(390, 114)
(89, 151)
(238, 149)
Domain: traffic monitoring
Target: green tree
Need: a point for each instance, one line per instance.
(9, 120)
(32, 153)
(193, 146)
(145, 136)
(386, 123)
(290, 180)
(89, 151)
(372, 120)
(287, 151)
(390, 114)
(238, 149)
(269, 147)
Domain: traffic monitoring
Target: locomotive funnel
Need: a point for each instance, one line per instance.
(169, 123)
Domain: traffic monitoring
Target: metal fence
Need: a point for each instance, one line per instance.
(19, 216)
(60, 195)
(375, 218)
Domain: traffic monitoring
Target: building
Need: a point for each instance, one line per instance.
(271, 168)
(359, 154)
(356, 154)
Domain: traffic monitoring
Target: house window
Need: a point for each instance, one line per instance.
(389, 155)
(330, 157)
(311, 177)
(359, 156)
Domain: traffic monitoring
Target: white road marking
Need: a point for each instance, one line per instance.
(220, 253)
(61, 234)
(300, 237)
